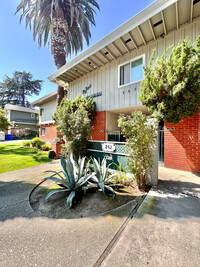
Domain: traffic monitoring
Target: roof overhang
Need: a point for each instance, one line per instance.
(45, 99)
(154, 22)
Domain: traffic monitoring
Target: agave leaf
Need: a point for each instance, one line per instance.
(110, 177)
(57, 180)
(55, 191)
(85, 179)
(57, 173)
(94, 179)
(71, 169)
(96, 165)
(67, 169)
(110, 189)
(102, 186)
(81, 169)
(64, 168)
(70, 198)
(88, 187)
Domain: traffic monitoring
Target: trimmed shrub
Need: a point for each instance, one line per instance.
(46, 147)
(26, 143)
(37, 142)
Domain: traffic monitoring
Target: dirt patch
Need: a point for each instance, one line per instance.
(92, 204)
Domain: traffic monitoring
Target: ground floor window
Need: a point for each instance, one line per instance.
(43, 131)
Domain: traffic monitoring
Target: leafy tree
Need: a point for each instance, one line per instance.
(171, 89)
(73, 120)
(4, 123)
(62, 22)
(16, 89)
(141, 133)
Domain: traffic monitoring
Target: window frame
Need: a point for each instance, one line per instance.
(40, 112)
(42, 131)
(129, 62)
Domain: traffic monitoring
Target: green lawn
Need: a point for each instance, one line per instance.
(15, 157)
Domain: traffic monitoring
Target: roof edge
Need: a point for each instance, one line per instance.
(133, 22)
(39, 101)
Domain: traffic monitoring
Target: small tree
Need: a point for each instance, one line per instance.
(141, 133)
(171, 89)
(4, 123)
(73, 119)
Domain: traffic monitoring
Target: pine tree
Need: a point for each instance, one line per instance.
(16, 89)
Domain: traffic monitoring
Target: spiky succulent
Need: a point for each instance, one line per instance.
(73, 177)
(101, 176)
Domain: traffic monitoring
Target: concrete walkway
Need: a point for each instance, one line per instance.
(165, 231)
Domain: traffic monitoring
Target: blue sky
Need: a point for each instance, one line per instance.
(19, 52)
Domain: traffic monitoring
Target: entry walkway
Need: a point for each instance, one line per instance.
(165, 231)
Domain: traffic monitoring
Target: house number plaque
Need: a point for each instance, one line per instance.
(108, 147)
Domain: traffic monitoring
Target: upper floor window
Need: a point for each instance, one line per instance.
(131, 72)
(41, 111)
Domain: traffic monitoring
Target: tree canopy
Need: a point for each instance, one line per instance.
(4, 123)
(14, 90)
(171, 88)
(62, 23)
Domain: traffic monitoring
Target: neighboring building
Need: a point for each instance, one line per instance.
(22, 118)
(47, 105)
(111, 71)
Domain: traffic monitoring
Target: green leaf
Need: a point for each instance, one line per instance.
(70, 198)
(55, 192)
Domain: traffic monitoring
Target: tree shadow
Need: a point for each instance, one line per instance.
(173, 200)
(168, 200)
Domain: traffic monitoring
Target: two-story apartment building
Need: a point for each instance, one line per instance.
(111, 71)
(22, 118)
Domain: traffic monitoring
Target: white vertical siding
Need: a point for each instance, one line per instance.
(105, 79)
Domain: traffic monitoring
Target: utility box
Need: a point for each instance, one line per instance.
(2, 136)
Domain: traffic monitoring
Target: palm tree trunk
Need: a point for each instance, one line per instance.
(58, 44)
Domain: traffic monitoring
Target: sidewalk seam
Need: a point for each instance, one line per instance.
(114, 240)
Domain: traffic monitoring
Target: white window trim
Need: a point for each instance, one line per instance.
(130, 61)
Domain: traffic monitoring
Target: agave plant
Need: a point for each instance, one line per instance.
(100, 177)
(73, 180)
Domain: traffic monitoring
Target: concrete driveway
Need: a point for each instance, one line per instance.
(165, 231)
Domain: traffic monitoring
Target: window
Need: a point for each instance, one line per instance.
(43, 131)
(131, 72)
(41, 111)
(32, 115)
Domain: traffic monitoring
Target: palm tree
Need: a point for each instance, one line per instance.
(65, 23)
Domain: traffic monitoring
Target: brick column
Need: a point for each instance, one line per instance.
(56, 147)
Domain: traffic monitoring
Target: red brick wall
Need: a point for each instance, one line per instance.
(99, 127)
(182, 145)
(50, 132)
